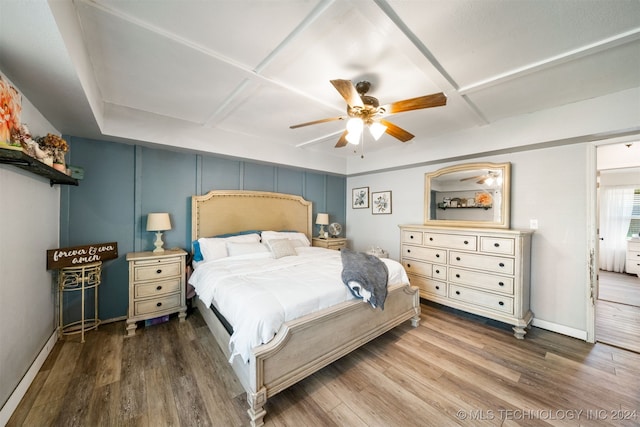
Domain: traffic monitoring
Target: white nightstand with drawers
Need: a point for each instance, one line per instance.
(157, 286)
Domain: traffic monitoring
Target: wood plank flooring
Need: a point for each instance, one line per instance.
(618, 310)
(451, 370)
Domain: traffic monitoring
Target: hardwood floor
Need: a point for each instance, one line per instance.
(618, 310)
(451, 370)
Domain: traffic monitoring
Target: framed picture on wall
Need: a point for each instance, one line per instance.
(381, 202)
(360, 198)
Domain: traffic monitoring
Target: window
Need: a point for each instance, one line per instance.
(634, 227)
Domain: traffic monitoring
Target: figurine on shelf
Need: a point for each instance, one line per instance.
(54, 146)
(22, 136)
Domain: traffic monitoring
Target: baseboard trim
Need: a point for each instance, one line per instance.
(23, 386)
(561, 329)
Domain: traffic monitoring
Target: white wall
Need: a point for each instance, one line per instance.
(547, 184)
(29, 218)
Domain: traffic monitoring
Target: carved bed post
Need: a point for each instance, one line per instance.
(256, 407)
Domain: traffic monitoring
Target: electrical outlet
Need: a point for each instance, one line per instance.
(533, 224)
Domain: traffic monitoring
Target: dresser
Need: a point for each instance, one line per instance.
(480, 271)
(632, 265)
(157, 286)
(336, 243)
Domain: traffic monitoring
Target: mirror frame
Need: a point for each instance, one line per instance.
(505, 208)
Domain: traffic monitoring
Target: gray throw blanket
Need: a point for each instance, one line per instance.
(366, 276)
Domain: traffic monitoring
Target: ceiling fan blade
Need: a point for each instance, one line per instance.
(427, 101)
(348, 92)
(343, 139)
(315, 122)
(396, 131)
(472, 177)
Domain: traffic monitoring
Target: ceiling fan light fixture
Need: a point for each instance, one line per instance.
(377, 129)
(353, 137)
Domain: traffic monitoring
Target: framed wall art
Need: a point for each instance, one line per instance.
(381, 202)
(360, 198)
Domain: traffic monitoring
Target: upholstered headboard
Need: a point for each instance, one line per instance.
(231, 211)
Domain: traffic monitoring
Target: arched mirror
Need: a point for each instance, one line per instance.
(469, 195)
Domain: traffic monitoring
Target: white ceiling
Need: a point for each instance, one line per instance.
(230, 77)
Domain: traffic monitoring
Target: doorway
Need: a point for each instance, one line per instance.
(617, 304)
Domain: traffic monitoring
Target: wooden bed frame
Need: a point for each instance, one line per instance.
(305, 345)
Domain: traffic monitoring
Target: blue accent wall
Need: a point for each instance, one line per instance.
(123, 183)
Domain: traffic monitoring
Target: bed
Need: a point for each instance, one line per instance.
(305, 344)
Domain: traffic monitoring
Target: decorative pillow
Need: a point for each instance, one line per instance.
(197, 253)
(245, 248)
(281, 247)
(291, 235)
(213, 248)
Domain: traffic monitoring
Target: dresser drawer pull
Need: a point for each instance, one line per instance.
(501, 264)
(159, 287)
(408, 265)
(466, 242)
(431, 239)
(457, 276)
(437, 255)
(159, 304)
(457, 258)
(437, 271)
(457, 292)
(497, 245)
(158, 271)
(501, 283)
(500, 303)
(437, 287)
(411, 236)
(408, 251)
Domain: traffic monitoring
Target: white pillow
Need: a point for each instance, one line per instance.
(299, 239)
(245, 248)
(216, 247)
(281, 247)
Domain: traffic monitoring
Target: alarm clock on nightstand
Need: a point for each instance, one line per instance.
(335, 229)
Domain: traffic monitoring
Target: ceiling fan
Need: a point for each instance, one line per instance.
(364, 110)
(487, 178)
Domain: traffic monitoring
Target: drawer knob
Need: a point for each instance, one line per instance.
(458, 276)
(497, 245)
(408, 251)
(457, 258)
(159, 304)
(466, 242)
(158, 287)
(158, 271)
(437, 271)
(457, 292)
(408, 265)
(501, 264)
(437, 287)
(437, 255)
(501, 283)
(431, 239)
(500, 303)
(411, 237)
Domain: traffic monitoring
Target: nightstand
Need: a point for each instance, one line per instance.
(336, 243)
(156, 286)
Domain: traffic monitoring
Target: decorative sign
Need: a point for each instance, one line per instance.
(69, 257)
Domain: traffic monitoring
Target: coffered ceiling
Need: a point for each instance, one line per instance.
(230, 77)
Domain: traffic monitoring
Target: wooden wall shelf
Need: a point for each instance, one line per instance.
(20, 159)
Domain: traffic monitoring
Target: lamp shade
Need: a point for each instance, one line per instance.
(158, 222)
(322, 219)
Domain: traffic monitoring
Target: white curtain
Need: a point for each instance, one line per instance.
(616, 207)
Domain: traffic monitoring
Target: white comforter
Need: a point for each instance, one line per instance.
(257, 293)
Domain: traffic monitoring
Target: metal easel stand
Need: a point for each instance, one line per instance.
(79, 279)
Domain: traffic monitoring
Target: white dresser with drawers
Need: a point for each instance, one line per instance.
(632, 265)
(480, 271)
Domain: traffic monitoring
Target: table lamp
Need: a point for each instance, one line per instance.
(322, 219)
(158, 222)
